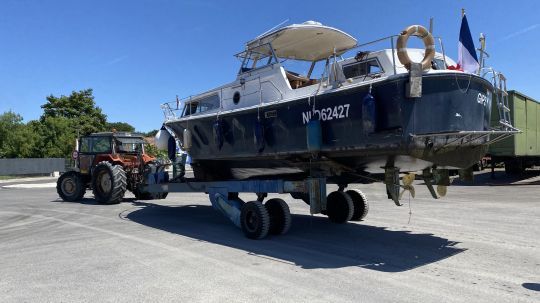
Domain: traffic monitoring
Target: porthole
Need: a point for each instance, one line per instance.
(236, 97)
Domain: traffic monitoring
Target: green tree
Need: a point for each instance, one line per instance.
(8, 122)
(16, 138)
(56, 137)
(78, 107)
(153, 151)
(151, 133)
(120, 126)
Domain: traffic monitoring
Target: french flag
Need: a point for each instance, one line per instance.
(467, 59)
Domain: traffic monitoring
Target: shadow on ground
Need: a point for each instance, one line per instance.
(532, 286)
(92, 201)
(484, 178)
(312, 242)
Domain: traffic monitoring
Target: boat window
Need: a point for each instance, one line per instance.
(201, 105)
(257, 57)
(362, 68)
(438, 64)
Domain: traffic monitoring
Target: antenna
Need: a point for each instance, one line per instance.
(431, 25)
(273, 28)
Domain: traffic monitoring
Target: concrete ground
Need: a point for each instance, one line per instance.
(481, 243)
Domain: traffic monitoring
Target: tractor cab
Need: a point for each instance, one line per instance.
(116, 147)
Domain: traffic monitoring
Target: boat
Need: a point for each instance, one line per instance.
(347, 113)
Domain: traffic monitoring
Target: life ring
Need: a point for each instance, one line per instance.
(429, 45)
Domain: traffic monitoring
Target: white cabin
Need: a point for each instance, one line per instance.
(264, 77)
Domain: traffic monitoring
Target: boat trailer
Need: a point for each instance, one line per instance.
(256, 219)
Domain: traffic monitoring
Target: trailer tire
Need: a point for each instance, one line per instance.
(108, 183)
(514, 167)
(280, 216)
(339, 207)
(361, 205)
(70, 186)
(254, 220)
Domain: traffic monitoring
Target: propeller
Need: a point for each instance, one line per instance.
(408, 180)
(441, 190)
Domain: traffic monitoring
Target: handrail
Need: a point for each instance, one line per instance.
(280, 92)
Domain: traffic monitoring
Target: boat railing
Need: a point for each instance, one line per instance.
(393, 40)
(173, 110)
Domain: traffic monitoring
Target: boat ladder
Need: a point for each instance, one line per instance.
(501, 95)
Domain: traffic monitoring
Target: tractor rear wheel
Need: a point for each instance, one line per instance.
(109, 183)
(70, 186)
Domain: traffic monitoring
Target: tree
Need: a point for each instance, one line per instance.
(120, 126)
(16, 138)
(56, 137)
(80, 108)
(151, 133)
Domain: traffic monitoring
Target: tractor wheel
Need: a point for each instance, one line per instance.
(143, 196)
(280, 216)
(109, 183)
(70, 186)
(339, 207)
(360, 202)
(254, 220)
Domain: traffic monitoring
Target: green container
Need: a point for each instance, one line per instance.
(525, 115)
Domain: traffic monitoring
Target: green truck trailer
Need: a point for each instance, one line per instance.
(522, 150)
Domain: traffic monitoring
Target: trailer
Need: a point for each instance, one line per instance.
(258, 219)
(522, 150)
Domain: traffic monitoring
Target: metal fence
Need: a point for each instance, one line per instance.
(31, 166)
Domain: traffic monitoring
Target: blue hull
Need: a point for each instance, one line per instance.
(357, 133)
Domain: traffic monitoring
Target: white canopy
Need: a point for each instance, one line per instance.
(309, 41)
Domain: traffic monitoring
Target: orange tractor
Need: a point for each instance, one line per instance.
(110, 163)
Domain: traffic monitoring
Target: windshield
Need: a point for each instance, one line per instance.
(256, 57)
(129, 145)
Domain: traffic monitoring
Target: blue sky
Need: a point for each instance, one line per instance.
(137, 54)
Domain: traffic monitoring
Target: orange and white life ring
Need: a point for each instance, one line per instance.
(429, 45)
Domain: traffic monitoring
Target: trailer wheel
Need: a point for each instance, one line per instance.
(70, 186)
(360, 202)
(339, 207)
(280, 216)
(109, 183)
(514, 167)
(254, 220)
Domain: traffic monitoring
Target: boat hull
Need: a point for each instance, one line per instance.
(355, 134)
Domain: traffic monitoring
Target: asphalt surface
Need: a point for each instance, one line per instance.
(481, 243)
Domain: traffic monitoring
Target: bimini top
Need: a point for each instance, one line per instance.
(309, 41)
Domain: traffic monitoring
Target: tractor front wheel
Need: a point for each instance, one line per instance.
(109, 183)
(70, 186)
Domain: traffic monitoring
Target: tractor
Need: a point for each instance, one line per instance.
(110, 163)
